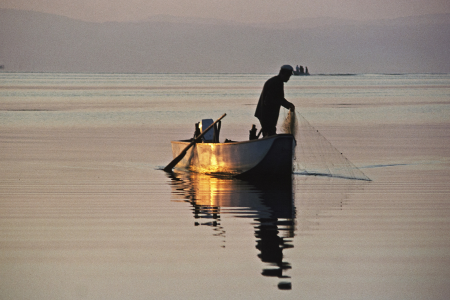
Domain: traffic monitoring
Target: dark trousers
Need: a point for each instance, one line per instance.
(268, 130)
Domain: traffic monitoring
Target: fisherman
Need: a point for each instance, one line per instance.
(271, 99)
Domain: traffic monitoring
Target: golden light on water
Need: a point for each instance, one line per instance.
(209, 190)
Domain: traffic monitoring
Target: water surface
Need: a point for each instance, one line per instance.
(86, 212)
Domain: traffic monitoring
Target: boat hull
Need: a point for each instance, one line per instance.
(269, 157)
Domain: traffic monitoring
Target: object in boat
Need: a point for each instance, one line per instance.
(269, 157)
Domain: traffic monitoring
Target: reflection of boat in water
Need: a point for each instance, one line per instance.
(270, 205)
(267, 157)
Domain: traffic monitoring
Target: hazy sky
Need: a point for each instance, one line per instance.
(234, 10)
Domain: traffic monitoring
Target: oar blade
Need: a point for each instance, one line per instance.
(174, 162)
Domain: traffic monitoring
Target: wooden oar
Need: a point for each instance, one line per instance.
(177, 159)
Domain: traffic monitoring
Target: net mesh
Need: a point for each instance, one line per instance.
(315, 155)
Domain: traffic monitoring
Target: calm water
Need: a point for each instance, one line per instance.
(86, 212)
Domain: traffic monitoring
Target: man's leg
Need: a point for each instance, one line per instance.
(268, 131)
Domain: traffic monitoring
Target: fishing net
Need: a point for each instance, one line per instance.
(315, 155)
(290, 124)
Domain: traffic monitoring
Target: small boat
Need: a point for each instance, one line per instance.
(300, 74)
(300, 71)
(268, 158)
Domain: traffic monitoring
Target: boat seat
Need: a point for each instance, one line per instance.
(212, 136)
(208, 136)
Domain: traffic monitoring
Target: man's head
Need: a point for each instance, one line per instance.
(286, 72)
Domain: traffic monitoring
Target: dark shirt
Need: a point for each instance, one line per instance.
(270, 101)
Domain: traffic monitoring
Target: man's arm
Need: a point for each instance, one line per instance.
(287, 104)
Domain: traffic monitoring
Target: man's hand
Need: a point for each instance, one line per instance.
(292, 107)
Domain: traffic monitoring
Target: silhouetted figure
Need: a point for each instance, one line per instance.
(271, 99)
(306, 70)
(302, 71)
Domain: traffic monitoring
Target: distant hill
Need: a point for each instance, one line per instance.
(39, 42)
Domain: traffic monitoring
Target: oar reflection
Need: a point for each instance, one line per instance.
(271, 205)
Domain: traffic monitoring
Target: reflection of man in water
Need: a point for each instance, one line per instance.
(271, 99)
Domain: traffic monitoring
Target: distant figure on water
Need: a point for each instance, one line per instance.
(301, 71)
(271, 99)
